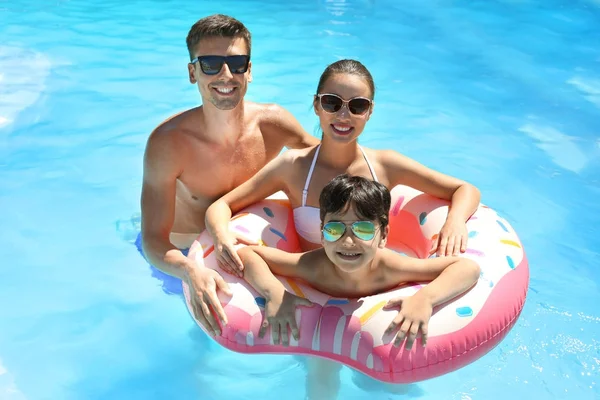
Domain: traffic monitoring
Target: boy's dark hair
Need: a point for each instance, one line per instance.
(217, 25)
(370, 200)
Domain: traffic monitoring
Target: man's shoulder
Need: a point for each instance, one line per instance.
(276, 121)
(170, 138)
(267, 112)
(173, 127)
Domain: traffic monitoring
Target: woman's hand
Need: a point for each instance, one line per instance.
(451, 240)
(226, 253)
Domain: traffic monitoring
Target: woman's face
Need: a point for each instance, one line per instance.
(348, 122)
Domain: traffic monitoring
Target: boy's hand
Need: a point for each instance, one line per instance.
(414, 315)
(280, 312)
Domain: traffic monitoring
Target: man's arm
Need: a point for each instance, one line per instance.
(161, 170)
(281, 123)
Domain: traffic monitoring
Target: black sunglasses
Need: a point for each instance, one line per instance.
(212, 65)
(333, 103)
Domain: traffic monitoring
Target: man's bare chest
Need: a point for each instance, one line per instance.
(214, 172)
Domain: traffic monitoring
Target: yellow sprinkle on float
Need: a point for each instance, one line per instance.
(510, 243)
(366, 316)
(295, 288)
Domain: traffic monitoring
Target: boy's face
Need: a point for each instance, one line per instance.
(358, 243)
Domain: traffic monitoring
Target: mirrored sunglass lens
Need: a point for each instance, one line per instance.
(358, 106)
(331, 103)
(364, 230)
(332, 231)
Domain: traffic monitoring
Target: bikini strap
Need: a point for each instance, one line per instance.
(309, 176)
(369, 164)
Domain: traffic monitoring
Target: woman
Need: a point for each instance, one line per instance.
(343, 103)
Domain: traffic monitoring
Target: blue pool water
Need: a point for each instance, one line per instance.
(505, 94)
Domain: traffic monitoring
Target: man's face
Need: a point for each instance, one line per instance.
(225, 89)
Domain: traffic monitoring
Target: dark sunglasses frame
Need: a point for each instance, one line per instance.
(236, 60)
(352, 229)
(342, 103)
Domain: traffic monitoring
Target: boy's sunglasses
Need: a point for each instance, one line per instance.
(212, 65)
(333, 103)
(334, 230)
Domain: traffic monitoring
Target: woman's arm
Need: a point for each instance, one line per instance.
(464, 197)
(270, 179)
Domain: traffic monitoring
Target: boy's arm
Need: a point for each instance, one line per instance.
(280, 305)
(261, 263)
(450, 277)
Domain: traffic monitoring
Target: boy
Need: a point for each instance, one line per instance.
(354, 262)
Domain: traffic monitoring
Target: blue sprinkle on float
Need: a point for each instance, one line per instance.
(464, 311)
(338, 301)
(260, 301)
(281, 235)
(422, 218)
(268, 211)
(472, 234)
(502, 225)
(510, 262)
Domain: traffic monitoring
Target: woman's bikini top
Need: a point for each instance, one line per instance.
(307, 220)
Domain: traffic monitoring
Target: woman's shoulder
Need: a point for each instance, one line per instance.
(384, 156)
(295, 156)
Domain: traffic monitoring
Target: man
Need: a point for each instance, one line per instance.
(195, 157)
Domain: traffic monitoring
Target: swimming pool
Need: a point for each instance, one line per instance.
(505, 94)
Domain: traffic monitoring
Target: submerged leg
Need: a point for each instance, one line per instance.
(323, 379)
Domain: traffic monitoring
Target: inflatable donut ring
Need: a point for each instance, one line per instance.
(351, 331)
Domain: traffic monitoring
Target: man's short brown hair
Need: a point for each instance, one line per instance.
(217, 25)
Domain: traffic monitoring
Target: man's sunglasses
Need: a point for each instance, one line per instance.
(334, 230)
(212, 65)
(333, 103)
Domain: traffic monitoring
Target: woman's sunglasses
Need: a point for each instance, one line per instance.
(334, 230)
(212, 65)
(333, 103)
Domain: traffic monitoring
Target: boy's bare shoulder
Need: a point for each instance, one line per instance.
(389, 259)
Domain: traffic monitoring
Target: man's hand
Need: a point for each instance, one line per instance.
(203, 283)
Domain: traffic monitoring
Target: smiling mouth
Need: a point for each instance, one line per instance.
(224, 91)
(346, 255)
(342, 129)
